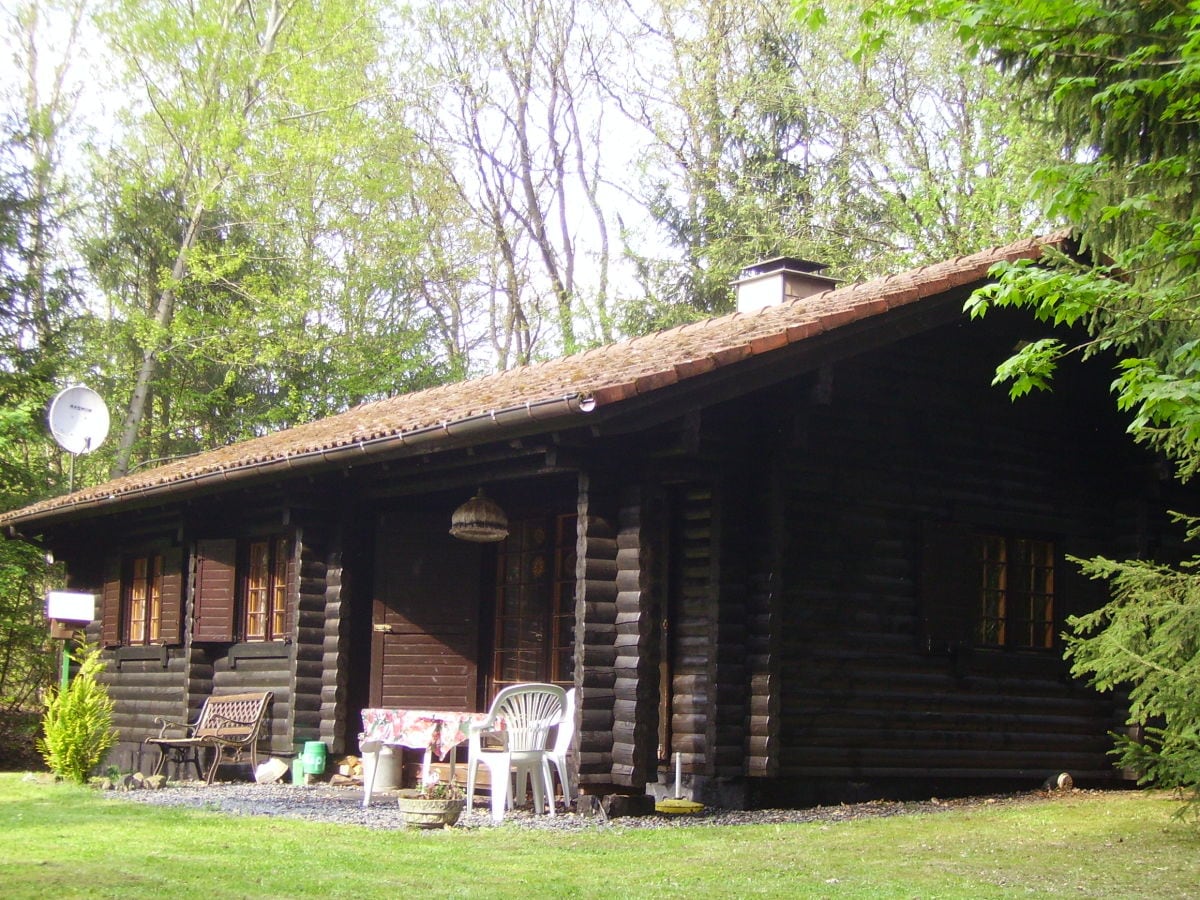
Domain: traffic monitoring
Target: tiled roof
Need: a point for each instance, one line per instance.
(560, 387)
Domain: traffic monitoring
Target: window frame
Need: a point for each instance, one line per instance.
(264, 582)
(142, 583)
(953, 604)
(1015, 608)
(223, 589)
(554, 620)
(145, 583)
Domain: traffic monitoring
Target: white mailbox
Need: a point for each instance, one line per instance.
(70, 606)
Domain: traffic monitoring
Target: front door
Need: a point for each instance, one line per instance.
(426, 608)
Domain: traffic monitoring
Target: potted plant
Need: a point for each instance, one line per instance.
(436, 804)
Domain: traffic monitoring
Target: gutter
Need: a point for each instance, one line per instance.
(505, 417)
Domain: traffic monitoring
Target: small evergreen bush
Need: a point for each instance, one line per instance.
(78, 721)
(1146, 640)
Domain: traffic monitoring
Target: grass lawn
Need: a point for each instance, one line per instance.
(63, 841)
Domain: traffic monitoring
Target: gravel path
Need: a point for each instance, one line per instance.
(343, 805)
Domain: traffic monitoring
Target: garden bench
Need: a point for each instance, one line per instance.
(227, 723)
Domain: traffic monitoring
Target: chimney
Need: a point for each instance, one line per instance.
(777, 280)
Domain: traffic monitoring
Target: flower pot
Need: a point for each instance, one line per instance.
(418, 813)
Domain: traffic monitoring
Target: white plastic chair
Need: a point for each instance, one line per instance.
(557, 755)
(520, 720)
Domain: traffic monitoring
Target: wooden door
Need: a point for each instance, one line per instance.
(425, 628)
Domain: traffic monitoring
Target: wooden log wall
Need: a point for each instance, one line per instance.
(268, 666)
(691, 626)
(762, 626)
(595, 633)
(338, 721)
(723, 619)
(141, 688)
(295, 671)
(317, 627)
(913, 435)
(234, 674)
(728, 638)
(635, 687)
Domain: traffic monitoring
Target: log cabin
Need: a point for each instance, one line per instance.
(807, 546)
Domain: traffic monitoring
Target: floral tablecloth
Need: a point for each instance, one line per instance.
(422, 729)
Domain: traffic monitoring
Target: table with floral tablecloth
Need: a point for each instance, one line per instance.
(434, 731)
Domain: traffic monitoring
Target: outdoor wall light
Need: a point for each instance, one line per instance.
(480, 520)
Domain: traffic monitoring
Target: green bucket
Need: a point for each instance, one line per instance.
(314, 757)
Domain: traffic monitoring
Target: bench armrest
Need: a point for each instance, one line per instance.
(164, 723)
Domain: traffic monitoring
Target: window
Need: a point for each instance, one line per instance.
(143, 600)
(1016, 590)
(265, 606)
(242, 589)
(986, 589)
(535, 603)
(562, 647)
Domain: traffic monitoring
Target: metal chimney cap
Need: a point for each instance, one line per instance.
(782, 264)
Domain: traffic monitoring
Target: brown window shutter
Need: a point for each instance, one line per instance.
(216, 566)
(172, 596)
(293, 589)
(110, 603)
(949, 587)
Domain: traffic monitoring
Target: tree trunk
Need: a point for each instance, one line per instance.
(163, 311)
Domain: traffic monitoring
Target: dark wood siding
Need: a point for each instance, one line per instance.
(728, 635)
(912, 452)
(691, 626)
(311, 623)
(948, 575)
(142, 689)
(764, 529)
(595, 632)
(635, 670)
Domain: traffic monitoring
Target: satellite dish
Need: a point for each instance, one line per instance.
(78, 419)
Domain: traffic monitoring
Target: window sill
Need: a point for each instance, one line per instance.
(1033, 651)
(259, 650)
(142, 653)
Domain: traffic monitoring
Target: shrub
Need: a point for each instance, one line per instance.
(1146, 640)
(78, 721)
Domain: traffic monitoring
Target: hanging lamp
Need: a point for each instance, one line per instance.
(480, 520)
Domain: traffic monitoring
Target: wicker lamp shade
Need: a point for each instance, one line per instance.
(480, 520)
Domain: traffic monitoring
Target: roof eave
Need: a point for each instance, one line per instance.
(491, 424)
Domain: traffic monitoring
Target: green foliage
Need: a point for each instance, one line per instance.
(1147, 639)
(77, 725)
(40, 323)
(783, 140)
(257, 224)
(26, 665)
